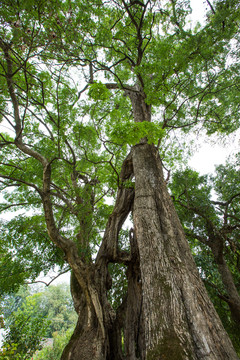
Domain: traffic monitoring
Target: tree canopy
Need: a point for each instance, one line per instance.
(64, 72)
(82, 83)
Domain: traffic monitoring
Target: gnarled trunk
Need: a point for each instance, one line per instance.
(166, 313)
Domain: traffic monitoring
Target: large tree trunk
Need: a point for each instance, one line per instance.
(166, 313)
(180, 320)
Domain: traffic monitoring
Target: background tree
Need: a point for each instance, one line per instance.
(25, 326)
(88, 88)
(30, 318)
(54, 352)
(57, 303)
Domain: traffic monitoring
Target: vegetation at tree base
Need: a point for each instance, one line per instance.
(27, 328)
(31, 318)
(94, 98)
(54, 352)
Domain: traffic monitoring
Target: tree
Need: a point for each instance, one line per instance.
(25, 327)
(212, 227)
(54, 352)
(29, 318)
(56, 303)
(91, 91)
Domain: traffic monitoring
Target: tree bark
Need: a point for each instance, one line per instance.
(179, 319)
(233, 298)
(166, 313)
(98, 333)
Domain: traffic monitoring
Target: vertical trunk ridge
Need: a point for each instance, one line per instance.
(180, 320)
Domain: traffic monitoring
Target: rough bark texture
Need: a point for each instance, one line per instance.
(98, 334)
(180, 320)
(141, 111)
(166, 313)
(233, 298)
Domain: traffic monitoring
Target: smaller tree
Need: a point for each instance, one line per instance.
(26, 328)
(31, 318)
(57, 304)
(54, 352)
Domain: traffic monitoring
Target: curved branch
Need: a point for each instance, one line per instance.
(109, 247)
(20, 181)
(48, 283)
(11, 206)
(13, 96)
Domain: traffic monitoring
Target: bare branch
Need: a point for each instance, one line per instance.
(211, 7)
(12, 205)
(48, 283)
(18, 124)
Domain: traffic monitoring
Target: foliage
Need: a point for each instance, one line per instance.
(54, 352)
(26, 328)
(8, 352)
(72, 75)
(223, 311)
(131, 133)
(57, 303)
(31, 318)
(26, 250)
(99, 91)
(119, 289)
(196, 206)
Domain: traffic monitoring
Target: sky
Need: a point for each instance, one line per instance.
(198, 9)
(209, 155)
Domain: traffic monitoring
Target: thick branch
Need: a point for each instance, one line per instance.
(109, 248)
(20, 181)
(13, 96)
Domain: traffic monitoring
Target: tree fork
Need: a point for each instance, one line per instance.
(98, 327)
(166, 313)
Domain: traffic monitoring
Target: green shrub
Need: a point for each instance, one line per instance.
(54, 352)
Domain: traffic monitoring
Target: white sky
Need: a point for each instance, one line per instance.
(209, 155)
(198, 10)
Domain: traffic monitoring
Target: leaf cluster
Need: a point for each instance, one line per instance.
(31, 318)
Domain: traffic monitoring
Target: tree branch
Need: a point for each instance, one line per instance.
(48, 283)
(18, 124)
(211, 7)
(20, 181)
(4, 208)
